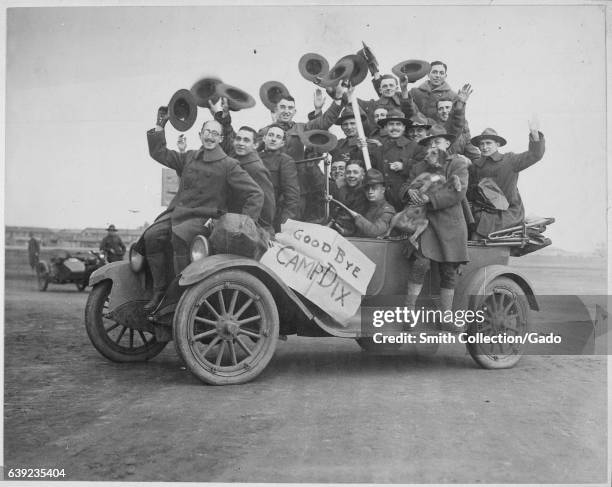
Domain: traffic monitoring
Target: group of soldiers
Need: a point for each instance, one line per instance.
(272, 174)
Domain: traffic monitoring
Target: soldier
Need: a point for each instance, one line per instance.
(33, 251)
(349, 148)
(503, 169)
(431, 90)
(396, 156)
(310, 177)
(352, 196)
(444, 240)
(246, 154)
(450, 117)
(112, 245)
(207, 176)
(283, 174)
(378, 213)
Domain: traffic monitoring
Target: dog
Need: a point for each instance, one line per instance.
(412, 219)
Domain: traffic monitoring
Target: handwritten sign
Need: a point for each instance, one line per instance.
(319, 263)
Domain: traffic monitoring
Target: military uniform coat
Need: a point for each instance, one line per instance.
(283, 174)
(504, 170)
(399, 149)
(426, 97)
(355, 199)
(113, 247)
(254, 166)
(445, 238)
(206, 178)
(375, 221)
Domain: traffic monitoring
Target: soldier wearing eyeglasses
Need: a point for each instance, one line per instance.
(207, 177)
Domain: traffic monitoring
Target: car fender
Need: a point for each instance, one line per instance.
(128, 286)
(476, 282)
(203, 268)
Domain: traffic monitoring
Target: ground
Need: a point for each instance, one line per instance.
(322, 411)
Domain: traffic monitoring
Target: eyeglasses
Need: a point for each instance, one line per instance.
(214, 133)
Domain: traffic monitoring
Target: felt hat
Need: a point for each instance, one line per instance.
(372, 177)
(419, 120)
(348, 113)
(182, 110)
(414, 69)
(271, 92)
(394, 115)
(437, 131)
(490, 134)
(237, 99)
(321, 140)
(313, 66)
(111, 228)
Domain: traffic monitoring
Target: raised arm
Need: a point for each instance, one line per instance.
(158, 149)
(534, 153)
(330, 115)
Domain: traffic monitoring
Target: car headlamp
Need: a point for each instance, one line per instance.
(200, 248)
(137, 260)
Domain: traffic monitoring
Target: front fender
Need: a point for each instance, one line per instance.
(127, 285)
(203, 268)
(475, 284)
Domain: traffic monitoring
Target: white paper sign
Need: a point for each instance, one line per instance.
(321, 264)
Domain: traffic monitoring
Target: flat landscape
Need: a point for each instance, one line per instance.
(322, 411)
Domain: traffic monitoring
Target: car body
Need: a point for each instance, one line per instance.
(65, 267)
(226, 312)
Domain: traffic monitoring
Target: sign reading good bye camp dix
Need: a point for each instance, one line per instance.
(322, 265)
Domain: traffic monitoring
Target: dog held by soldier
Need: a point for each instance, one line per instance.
(412, 220)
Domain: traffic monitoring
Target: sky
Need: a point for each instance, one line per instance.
(83, 85)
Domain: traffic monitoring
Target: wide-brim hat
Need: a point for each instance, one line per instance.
(437, 132)
(419, 120)
(111, 228)
(204, 90)
(394, 115)
(490, 134)
(313, 66)
(271, 92)
(372, 177)
(352, 68)
(321, 140)
(347, 114)
(237, 99)
(413, 69)
(182, 110)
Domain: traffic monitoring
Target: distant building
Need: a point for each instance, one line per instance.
(49, 237)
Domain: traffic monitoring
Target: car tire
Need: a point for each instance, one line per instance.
(211, 333)
(506, 310)
(114, 341)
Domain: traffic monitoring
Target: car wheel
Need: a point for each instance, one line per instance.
(113, 340)
(42, 277)
(506, 311)
(226, 328)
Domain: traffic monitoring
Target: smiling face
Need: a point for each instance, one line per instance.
(417, 133)
(488, 147)
(285, 110)
(244, 142)
(337, 169)
(349, 127)
(388, 87)
(211, 134)
(395, 128)
(353, 175)
(437, 74)
(275, 138)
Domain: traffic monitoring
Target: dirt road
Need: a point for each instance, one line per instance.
(322, 411)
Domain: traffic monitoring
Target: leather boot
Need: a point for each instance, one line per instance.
(157, 266)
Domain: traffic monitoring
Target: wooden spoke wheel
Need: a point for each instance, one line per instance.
(226, 328)
(113, 340)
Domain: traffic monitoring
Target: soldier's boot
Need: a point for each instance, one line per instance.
(157, 266)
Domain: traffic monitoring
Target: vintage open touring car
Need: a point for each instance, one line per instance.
(226, 312)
